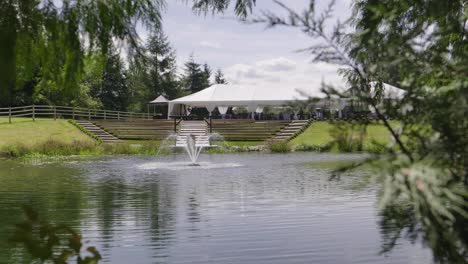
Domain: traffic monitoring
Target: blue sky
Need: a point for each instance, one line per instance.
(249, 54)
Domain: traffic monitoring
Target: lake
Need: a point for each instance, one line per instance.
(235, 208)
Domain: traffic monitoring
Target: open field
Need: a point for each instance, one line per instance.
(319, 134)
(27, 132)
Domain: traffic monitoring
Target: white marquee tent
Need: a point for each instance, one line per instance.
(253, 97)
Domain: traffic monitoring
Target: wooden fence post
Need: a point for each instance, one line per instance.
(34, 113)
(9, 114)
(118, 115)
(73, 113)
(105, 115)
(89, 114)
(55, 113)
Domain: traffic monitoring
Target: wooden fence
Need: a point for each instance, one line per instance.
(34, 111)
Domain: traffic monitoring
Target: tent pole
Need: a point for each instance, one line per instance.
(211, 127)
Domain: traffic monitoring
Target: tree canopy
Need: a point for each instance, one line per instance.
(44, 43)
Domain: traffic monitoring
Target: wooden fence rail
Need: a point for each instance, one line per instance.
(67, 112)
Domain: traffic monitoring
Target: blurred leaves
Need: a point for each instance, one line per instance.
(47, 242)
(421, 47)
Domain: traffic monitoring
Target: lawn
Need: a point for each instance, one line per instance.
(319, 134)
(27, 132)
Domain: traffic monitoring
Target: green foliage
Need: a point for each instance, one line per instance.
(55, 148)
(14, 151)
(219, 77)
(161, 63)
(47, 242)
(348, 136)
(195, 78)
(242, 7)
(113, 91)
(420, 46)
(313, 147)
(43, 42)
(279, 147)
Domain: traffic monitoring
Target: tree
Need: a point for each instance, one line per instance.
(45, 42)
(45, 39)
(219, 77)
(420, 46)
(113, 90)
(206, 76)
(193, 78)
(162, 66)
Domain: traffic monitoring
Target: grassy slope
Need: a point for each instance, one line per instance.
(319, 134)
(27, 132)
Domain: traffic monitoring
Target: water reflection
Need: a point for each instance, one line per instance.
(272, 209)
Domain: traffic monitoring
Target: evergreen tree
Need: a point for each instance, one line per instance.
(219, 77)
(113, 91)
(206, 75)
(193, 79)
(162, 67)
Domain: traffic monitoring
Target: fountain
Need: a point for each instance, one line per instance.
(193, 146)
(193, 150)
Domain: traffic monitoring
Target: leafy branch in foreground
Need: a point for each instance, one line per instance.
(421, 47)
(47, 242)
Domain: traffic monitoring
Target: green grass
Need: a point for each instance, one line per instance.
(29, 133)
(54, 138)
(318, 136)
(243, 143)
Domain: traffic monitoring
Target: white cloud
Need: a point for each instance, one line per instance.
(277, 64)
(280, 72)
(210, 44)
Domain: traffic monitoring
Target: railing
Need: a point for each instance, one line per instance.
(34, 111)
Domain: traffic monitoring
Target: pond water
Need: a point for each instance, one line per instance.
(235, 208)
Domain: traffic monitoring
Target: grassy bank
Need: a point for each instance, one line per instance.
(47, 137)
(320, 136)
(50, 138)
(25, 132)
(55, 148)
(53, 138)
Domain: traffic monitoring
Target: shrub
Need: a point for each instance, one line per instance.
(14, 151)
(348, 136)
(314, 147)
(279, 147)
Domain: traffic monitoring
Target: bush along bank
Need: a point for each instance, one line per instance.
(54, 148)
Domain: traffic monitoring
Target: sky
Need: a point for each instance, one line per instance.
(250, 54)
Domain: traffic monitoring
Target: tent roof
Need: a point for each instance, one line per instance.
(231, 94)
(159, 100)
(392, 92)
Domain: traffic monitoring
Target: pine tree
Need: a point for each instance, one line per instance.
(162, 67)
(193, 78)
(206, 75)
(219, 77)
